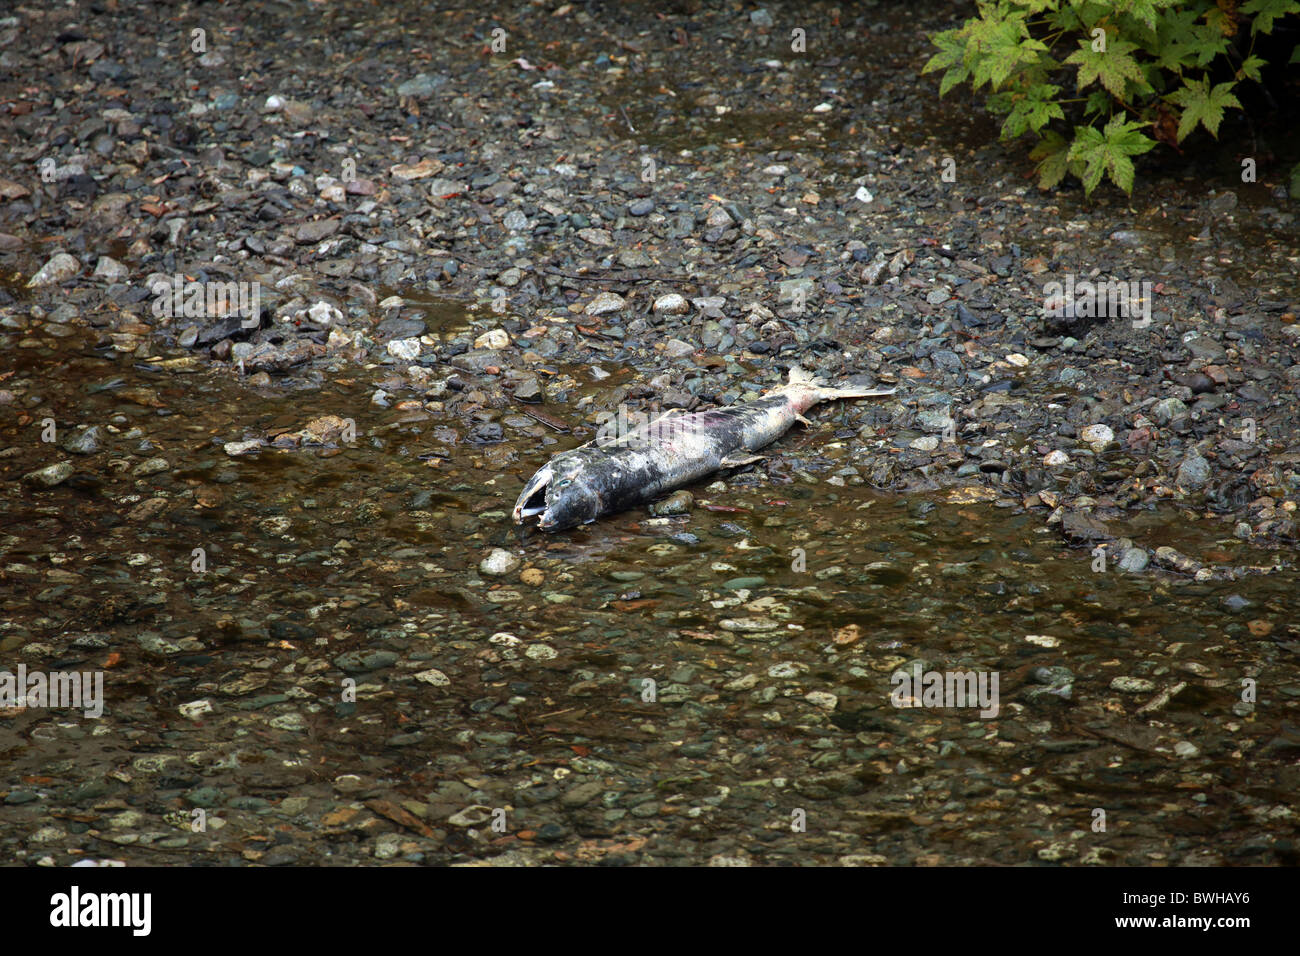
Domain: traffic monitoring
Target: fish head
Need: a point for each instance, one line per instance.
(561, 495)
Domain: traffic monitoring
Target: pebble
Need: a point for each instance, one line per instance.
(496, 340)
(50, 475)
(672, 304)
(678, 503)
(1194, 472)
(605, 303)
(109, 268)
(1132, 685)
(473, 816)
(406, 349)
(1167, 409)
(84, 441)
(1134, 560)
(1097, 435)
(499, 562)
(59, 269)
(236, 449)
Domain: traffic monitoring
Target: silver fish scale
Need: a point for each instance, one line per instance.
(612, 475)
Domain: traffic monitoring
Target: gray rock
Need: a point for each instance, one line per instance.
(316, 230)
(678, 503)
(151, 466)
(1133, 560)
(109, 268)
(1194, 472)
(605, 303)
(934, 419)
(789, 288)
(672, 304)
(1205, 348)
(1097, 433)
(421, 85)
(85, 441)
(1166, 410)
(60, 268)
(358, 662)
(1083, 528)
(50, 475)
(528, 390)
(498, 562)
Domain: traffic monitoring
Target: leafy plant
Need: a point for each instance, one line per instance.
(1144, 71)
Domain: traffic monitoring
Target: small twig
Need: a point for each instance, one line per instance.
(546, 420)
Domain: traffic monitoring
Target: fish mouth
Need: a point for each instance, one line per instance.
(532, 500)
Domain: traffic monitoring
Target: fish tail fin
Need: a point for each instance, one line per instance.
(831, 393)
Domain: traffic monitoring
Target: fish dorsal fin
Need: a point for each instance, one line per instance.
(798, 376)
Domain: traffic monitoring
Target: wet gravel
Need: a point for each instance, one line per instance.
(467, 259)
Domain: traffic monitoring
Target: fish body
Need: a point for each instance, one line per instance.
(610, 475)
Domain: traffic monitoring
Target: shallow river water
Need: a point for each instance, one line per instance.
(303, 661)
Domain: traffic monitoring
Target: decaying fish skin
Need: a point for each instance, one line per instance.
(611, 475)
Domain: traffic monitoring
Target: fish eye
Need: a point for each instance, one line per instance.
(563, 481)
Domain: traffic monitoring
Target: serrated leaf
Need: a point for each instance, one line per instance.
(1107, 152)
(1184, 42)
(1115, 68)
(1052, 152)
(1141, 10)
(1219, 19)
(1202, 104)
(1265, 12)
(1250, 68)
(1098, 101)
(1030, 110)
(952, 47)
(952, 78)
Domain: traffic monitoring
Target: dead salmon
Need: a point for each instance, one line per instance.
(611, 474)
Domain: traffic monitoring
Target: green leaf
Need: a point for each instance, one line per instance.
(999, 47)
(952, 46)
(1052, 152)
(1107, 152)
(1098, 102)
(1143, 10)
(950, 79)
(1183, 42)
(1030, 110)
(1203, 105)
(1115, 68)
(1251, 66)
(1266, 11)
(1295, 55)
